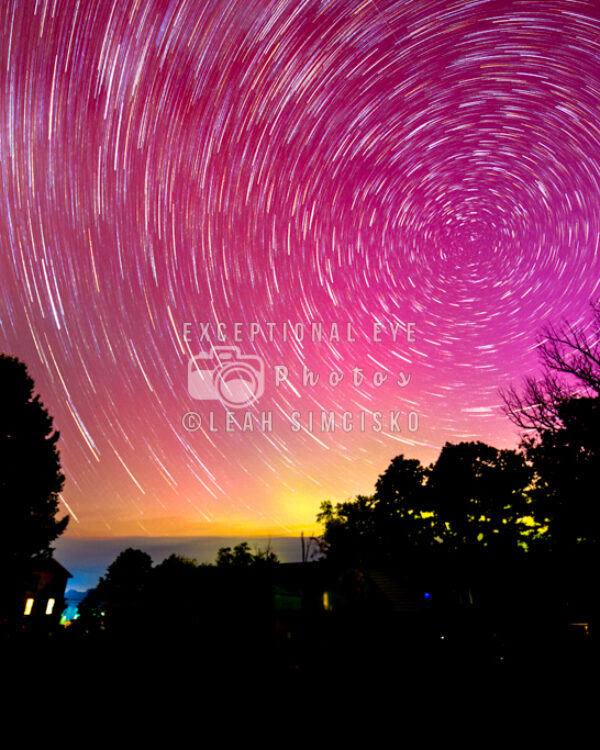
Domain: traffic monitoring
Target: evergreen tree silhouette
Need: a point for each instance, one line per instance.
(30, 474)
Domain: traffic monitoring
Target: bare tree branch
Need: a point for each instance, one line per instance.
(565, 351)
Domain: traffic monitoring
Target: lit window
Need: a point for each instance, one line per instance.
(50, 606)
(28, 606)
(326, 604)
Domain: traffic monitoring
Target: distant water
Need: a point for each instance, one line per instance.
(87, 559)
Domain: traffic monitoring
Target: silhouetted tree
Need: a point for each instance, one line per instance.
(570, 357)
(392, 525)
(559, 414)
(265, 557)
(473, 499)
(116, 599)
(480, 495)
(239, 557)
(30, 475)
(175, 595)
(242, 556)
(566, 461)
(349, 532)
(30, 480)
(403, 508)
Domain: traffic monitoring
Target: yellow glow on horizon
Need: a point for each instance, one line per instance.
(193, 529)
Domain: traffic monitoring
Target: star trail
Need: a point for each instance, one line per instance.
(419, 167)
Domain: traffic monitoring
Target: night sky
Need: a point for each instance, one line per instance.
(430, 167)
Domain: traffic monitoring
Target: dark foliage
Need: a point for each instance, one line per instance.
(136, 596)
(559, 414)
(472, 501)
(30, 476)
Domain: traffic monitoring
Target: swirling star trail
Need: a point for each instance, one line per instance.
(351, 161)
